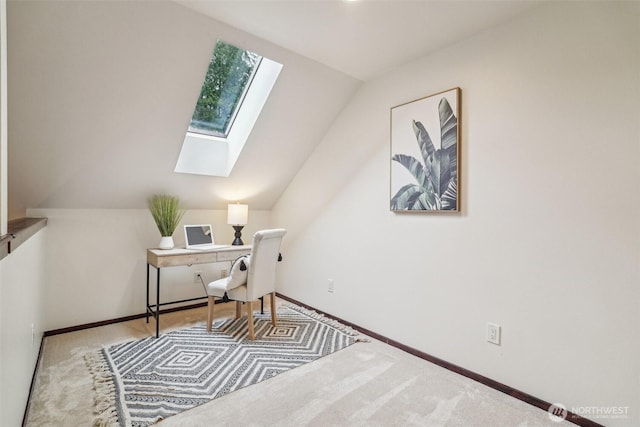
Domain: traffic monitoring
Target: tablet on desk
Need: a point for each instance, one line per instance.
(200, 237)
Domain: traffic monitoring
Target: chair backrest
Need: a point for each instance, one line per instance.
(264, 258)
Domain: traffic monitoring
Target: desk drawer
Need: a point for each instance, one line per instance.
(230, 255)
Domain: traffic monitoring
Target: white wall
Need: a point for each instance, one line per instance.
(3, 152)
(4, 208)
(23, 283)
(96, 261)
(548, 241)
(101, 94)
(2, 364)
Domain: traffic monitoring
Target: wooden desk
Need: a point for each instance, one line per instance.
(160, 258)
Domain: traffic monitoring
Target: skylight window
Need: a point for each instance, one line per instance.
(236, 87)
(228, 78)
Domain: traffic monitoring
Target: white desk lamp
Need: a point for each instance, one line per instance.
(237, 216)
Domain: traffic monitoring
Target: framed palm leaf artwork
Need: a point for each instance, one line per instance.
(424, 154)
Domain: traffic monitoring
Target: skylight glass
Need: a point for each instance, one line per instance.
(216, 155)
(228, 78)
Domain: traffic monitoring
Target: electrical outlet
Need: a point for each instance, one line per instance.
(197, 276)
(493, 333)
(330, 286)
(223, 273)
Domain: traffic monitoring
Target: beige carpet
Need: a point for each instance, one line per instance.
(366, 384)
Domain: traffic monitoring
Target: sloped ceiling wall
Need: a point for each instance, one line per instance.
(364, 39)
(101, 93)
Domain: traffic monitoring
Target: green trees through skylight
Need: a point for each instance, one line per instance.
(229, 75)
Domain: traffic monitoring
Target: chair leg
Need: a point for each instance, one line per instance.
(252, 334)
(210, 304)
(272, 297)
(238, 309)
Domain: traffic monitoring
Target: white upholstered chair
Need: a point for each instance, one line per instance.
(260, 278)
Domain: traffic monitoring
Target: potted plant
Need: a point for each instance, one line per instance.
(167, 214)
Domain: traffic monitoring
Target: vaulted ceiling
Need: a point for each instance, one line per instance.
(363, 38)
(101, 93)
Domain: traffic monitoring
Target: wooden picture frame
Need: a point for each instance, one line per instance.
(425, 153)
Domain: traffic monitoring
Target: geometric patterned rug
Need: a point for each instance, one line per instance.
(139, 383)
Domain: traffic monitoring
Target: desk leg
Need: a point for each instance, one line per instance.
(158, 304)
(146, 307)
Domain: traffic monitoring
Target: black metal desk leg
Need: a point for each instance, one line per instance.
(158, 304)
(146, 307)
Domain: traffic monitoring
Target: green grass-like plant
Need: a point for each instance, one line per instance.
(166, 213)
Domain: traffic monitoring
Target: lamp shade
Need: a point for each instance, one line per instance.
(237, 214)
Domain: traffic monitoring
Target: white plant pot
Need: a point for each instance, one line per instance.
(166, 242)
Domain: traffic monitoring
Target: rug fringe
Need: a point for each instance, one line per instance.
(328, 321)
(104, 387)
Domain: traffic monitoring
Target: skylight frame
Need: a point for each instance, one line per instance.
(215, 156)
